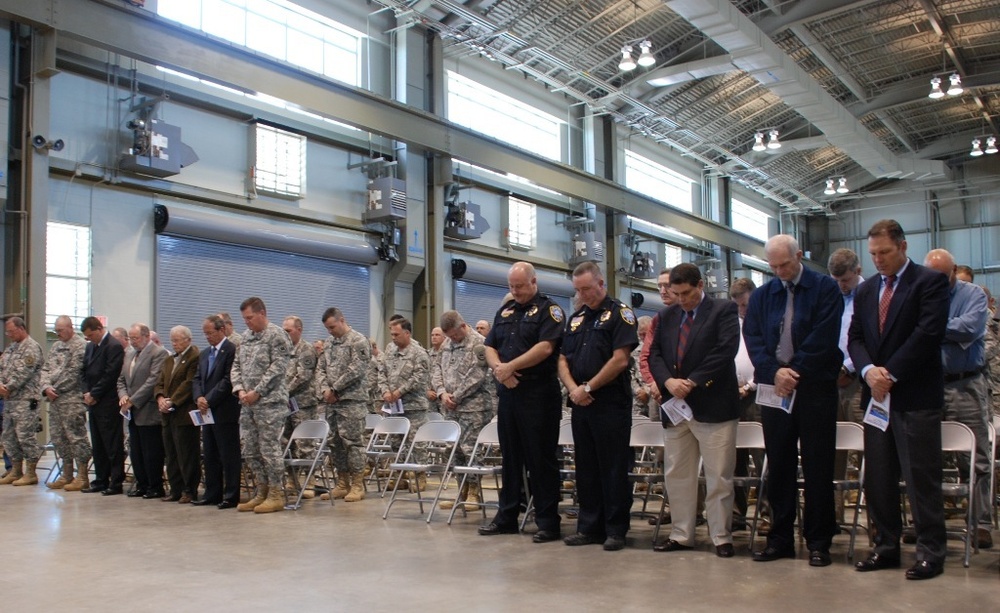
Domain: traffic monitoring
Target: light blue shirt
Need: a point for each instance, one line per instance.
(845, 324)
(964, 346)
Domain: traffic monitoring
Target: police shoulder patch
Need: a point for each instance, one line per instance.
(557, 313)
(628, 315)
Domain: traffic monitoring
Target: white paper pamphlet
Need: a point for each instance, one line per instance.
(202, 420)
(676, 410)
(393, 408)
(877, 413)
(766, 396)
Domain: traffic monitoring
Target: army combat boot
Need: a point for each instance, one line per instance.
(29, 477)
(14, 474)
(82, 480)
(254, 502)
(343, 485)
(357, 488)
(275, 502)
(65, 476)
(472, 499)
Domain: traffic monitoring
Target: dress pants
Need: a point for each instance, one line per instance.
(813, 422)
(107, 433)
(684, 445)
(601, 433)
(908, 450)
(146, 451)
(528, 428)
(223, 461)
(180, 445)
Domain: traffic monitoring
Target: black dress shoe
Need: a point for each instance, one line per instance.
(818, 557)
(924, 570)
(876, 561)
(614, 543)
(112, 491)
(672, 545)
(771, 553)
(204, 502)
(150, 494)
(575, 540)
(493, 528)
(95, 489)
(136, 493)
(546, 536)
(725, 550)
(226, 504)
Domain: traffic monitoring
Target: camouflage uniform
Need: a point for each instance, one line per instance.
(462, 372)
(434, 357)
(371, 383)
(342, 369)
(260, 365)
(235, 338)
(63, 372)
(649, 408)
(301, 377)
(407, 371)
(20, 372)
(992, 358)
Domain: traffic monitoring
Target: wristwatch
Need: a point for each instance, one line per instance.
(586, 386)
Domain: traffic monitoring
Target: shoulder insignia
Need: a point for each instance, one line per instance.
(605, 316)
(628, 315)
(557, 313)
(507, 312)
(29, 360)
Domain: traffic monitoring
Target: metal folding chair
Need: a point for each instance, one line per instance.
(483, 462)
(316, 430)
(851, 437)
(439, 434)
(750, 435)
(372, 420)
(386, 444)
(958, 437)
(646, 440)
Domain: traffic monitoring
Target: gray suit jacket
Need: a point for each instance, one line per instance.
(138, 380)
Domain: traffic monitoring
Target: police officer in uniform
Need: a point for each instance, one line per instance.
(522, 350)
(593, 366)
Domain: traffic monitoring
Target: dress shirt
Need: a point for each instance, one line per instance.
(845, 324)
(744, 367)
(964, 345)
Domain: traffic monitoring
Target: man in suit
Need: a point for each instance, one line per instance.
(895, 338)
(175, 402)
(102, 366)
(692, 358)
(139, 375)
(791, 331)
(213, 390)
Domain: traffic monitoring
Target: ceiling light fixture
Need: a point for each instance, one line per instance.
(842, 185)
(936, 89)
(956, 84)
(627, 64)
(646, 58)
(758, 142)
(976, 150)
(772, 140)
(991, 145)
(829, 191)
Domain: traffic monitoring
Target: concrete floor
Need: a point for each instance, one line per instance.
(84, 552)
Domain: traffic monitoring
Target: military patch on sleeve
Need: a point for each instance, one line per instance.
(628, 315)
(557, 313)
(29, 360)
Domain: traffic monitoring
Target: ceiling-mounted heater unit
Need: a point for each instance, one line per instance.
(386, 200)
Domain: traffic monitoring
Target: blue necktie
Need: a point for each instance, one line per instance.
(211, 358)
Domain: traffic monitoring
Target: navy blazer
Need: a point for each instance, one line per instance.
(910, 346)
(103, 365)
(216, 386)
(709, 359)
(819, 306)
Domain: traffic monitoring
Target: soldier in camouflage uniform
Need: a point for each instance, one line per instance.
(20, 372)
(232, 335)
(60, 383)
(404, 374)
(371, 379)
(462, 379)
(341, 383)
(301, 377)
(434, 355)
(258, 376)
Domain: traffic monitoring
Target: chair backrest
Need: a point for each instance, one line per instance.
(850, 436)
(312, 428)
(489, 435)
(956, 436)
(372, 420)
(392, 425)
(646, 434)
(566, 433)
(438, 432)
(434, 416)
(749, 435)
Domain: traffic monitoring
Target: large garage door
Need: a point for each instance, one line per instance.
(195, 278)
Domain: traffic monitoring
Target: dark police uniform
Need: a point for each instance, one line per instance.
(602, 429)
(528, 415)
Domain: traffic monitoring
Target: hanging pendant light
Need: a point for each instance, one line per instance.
(758, 142)
(936, 89)
(842, 185)
(646, 58)
(991, 145)
(829, 191)
(772, 140)
(956, 84)
(976, 151)
(627, 64)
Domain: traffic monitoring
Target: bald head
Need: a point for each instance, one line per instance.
(522, 282)
(784, 256)
(942, 261)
